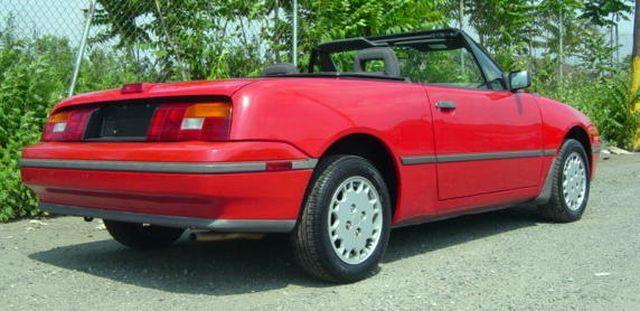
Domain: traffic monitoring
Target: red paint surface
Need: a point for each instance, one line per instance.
(189, 151)
(485, 121)
(297, 118)
(269, 195)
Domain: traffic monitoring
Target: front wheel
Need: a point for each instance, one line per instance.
(344, 227)
(570, 184)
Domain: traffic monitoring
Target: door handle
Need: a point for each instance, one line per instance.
(446, 105)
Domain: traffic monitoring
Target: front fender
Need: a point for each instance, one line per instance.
(558, 119)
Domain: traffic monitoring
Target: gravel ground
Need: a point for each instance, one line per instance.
(508, 259)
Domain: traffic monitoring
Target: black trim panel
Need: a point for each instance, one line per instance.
(233, 225)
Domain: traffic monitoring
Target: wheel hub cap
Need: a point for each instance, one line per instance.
(574, 181)
(355, 220)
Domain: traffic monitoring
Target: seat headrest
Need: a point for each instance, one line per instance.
(280, 69)
(386, 55)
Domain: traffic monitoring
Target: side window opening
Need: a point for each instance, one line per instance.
(449, 66)
(441, 58)
(495, 78)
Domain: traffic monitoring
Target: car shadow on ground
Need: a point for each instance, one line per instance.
(245, 266)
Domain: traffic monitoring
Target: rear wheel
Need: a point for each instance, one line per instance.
(570, 184)
(344, 227)
(141, 236)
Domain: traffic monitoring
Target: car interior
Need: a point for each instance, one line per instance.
(445, 58)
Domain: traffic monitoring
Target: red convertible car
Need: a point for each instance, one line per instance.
(378, 132)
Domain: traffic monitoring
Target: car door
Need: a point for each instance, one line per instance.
(487, 139)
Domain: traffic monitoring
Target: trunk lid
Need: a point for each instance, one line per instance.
(159, 90)
(125, 115)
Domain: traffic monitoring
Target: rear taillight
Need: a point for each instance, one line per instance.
(199, 121)
(67, 125)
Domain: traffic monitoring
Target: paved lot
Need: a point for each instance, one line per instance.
(502, 260)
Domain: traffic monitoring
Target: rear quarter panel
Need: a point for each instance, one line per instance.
(313, 113)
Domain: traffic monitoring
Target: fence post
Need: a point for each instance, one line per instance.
(83, 43)
(294, 49)
(561, 46)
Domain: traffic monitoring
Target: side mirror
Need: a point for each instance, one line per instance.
(519, 80)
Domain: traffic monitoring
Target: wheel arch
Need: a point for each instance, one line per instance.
(374, 150)
(580, 134)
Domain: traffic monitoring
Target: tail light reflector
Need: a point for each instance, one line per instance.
(200, 121)
(67, 125)
(279, 166)
(132, 88)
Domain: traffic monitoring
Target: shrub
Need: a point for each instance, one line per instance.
(29, 85)
(607, 101)
(33, 76)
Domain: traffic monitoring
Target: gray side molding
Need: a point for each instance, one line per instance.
(481, 156)
(162, 167)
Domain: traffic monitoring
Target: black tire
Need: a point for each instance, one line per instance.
(139, 236)
(311, 242)
(556, 209)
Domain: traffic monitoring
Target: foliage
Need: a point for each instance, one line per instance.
(607, 102)
(33, 76)
(597, 11)
(190, 39)
(502, 23)
(198, 39)
(326, 20)
(594, 53)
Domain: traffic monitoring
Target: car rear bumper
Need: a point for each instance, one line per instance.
(233, 191)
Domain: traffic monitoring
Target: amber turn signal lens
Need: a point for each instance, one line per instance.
(208, 110)
(59, 117)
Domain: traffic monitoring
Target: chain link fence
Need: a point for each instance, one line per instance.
(161, 40)
(67, 19)
(86, 24)
(38, 18)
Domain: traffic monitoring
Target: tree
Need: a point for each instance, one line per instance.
(594, 52)
(607, 13)
(502, 26)
(559, 25)
(601, 12)
(199, 39)
(323, 20)
(189, 39)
